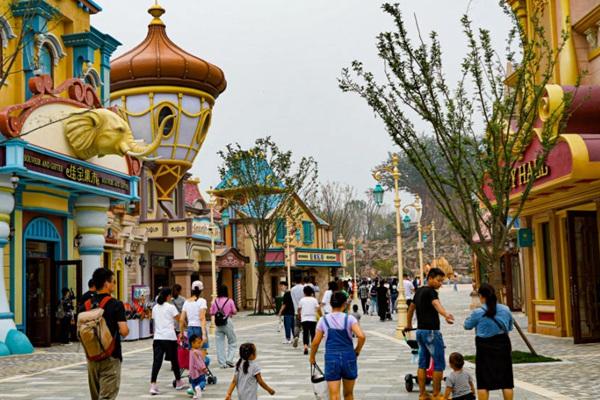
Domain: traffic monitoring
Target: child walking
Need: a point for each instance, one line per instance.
(247, 375)
(197, 368)
(459, 383)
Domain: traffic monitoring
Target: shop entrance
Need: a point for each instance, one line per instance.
(584, 275)
(42, 280)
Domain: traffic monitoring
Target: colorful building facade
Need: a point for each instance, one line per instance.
(66, 162)
(167, 96)
(561, 266)
(306, 243)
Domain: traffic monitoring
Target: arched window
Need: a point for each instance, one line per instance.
(46, 61)
(92, 77)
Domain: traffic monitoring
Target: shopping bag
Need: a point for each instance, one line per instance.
(319, 383)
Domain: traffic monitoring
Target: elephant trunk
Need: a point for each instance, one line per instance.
(130, 147)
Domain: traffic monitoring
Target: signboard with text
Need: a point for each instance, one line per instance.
(75, 172)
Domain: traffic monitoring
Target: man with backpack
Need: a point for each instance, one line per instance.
(100, 325)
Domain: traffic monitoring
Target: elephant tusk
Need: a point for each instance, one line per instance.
(141, 151)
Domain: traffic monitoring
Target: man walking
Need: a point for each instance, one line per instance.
(431, 344)
(104, 376)
(297, 293)
(363, 293)
(409, 290)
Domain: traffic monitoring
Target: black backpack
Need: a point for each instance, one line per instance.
(220, 317)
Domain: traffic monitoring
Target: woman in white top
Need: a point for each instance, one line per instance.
(194, 313)
(308, 307)
(165, 315)
(326, 300)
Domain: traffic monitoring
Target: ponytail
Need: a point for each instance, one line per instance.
(162, 295)
(489, 294)
(196, 292)
(247, 350)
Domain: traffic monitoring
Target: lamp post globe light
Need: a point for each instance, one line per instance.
(415, 209)
(392, 169)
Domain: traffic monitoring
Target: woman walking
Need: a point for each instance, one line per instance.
(308, 308)
(382, 300)
(165, 316)
(326, 300)
(287, 313)
(341, 368)
(223, 309)
(493, 363)
(194, 314)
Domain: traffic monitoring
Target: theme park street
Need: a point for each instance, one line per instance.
(60, 372)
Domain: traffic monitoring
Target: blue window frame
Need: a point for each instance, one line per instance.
(46, 61)
(280, 233)
(309, 232)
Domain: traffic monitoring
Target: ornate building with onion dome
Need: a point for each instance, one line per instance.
(167, 95)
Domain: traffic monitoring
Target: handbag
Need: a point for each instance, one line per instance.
(320, 388)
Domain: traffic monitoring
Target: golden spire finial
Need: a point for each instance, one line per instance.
(156, 11)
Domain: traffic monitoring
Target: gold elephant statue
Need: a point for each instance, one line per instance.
(100, 132)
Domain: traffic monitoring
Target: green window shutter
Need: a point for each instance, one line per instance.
(280, 234)
(309, 233)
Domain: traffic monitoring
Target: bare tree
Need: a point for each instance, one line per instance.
(470, 172)
(261, 184)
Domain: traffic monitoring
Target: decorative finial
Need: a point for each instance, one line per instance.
(156, 11)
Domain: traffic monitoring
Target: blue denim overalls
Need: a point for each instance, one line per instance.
(340, 358)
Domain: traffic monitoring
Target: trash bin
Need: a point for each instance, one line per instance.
(278, 303)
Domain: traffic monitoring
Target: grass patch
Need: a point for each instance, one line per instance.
(522, 357)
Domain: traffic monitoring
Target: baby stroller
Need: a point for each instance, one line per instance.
(409, 379)
(183, 356)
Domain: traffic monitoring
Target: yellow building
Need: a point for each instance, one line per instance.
(57, 182)
(562, 267)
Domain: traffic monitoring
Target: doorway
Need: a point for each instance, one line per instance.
(584, 275)
(40, 300)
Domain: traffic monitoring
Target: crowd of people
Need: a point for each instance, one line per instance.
(328, 319)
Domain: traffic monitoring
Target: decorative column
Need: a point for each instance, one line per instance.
(91, 218)
(12, 341)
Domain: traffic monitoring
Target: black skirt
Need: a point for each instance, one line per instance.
(493, 363)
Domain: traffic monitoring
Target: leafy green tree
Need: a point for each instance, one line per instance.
(261, 184)
(478, 125)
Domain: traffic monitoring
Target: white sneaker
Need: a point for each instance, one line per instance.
(286, 341)
(180, 385)
(198, 393)
(154, 389)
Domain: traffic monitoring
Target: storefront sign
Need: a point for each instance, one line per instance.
(201, 227)
(75, 172)
(521, 175)
(316, 257)
(525, 237)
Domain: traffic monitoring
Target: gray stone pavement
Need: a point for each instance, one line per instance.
(382, 365)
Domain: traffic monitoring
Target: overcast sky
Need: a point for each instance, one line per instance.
(282, 59)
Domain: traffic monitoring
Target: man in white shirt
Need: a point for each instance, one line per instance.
(409, 290)
(297, 295)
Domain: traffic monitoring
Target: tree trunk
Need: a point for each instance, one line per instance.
(260, 301)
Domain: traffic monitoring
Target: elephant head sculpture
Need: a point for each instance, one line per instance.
(100, 132)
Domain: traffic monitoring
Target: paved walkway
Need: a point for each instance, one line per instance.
(382, 366)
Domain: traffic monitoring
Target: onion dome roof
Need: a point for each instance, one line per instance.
(159, 61)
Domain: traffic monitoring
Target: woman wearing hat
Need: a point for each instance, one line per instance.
(194, 313)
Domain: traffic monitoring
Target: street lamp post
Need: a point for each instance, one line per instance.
(392, 169)
(355, 286)
(288, 241)
(341, 244)
(417, 206)
(434, 263)
(213, 256)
